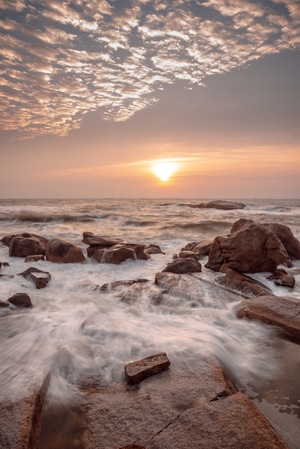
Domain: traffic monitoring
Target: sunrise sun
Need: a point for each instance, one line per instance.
(164, 169)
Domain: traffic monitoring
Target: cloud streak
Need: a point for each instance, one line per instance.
(63, 59)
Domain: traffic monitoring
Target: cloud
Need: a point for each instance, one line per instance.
(62, 59)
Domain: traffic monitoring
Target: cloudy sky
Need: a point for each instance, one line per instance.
(150, 98)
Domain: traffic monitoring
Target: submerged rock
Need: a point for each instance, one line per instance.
(38, 277)
(20, 300)
(133, 290)
(141, 369)
(281, 311)
(220, 204)
(242, 284)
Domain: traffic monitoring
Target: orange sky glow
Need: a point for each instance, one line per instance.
(150, 99)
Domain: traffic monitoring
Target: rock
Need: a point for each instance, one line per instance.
(281, 277)
(191, 406)
(117, 254)
(99, 241)
(218, 204)
(35, 258)
(201, 248)
(22, 245)
(285, 235)
(153, 249)
(132, 446)
(251, 249)
(20, 300)
(20, 419)
(137, 371)
(3, 303)
(280, 311)
(132, 291)
(4, 264)
(60, 251)
(184, 254)
(38, 277)
(242, 284)
(183, 265)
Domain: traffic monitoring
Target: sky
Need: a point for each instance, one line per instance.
(150, 99)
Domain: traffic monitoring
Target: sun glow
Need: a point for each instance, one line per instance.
(164, 169)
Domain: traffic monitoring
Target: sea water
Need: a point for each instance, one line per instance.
(73, 331)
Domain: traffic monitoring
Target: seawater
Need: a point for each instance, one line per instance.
(75, 332)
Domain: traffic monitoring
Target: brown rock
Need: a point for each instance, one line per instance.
(137, 371)
(201, 248)
(153, 249)
(23, 245)
(119, 253)
(251, 249)
(184, 254)
(242, 284)
(20, 300)
(38, 277)
(184, 265)
(132, 446)
(60, 251)
(285, 235)
(4, 264)
(219, 204)
(3, 303)
(281, 277)
(99, 241)
(280, 311)
(35, 258)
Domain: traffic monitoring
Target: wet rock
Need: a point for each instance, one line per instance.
(153, 249)
(3, 265)
(132, 446)
(117, 254)
(220, 204)
(141, 369)
(281, 277)
(201, 248)
(183, 265)
(3, 303)
(285, 235)
(35, 258)
(20, 300)
(38, 277)
(133, 290)
(99, 241)
(251, 249)
(281, 311)
(192, 405)
(26, 244)
(60, 251)
(242, 284)
(184, 254)
(20, 419)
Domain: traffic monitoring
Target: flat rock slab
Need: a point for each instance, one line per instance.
(20, 421)
(281, 311)
(193, 405)
(141, 369)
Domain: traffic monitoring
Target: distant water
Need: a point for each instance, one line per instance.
(73, 331)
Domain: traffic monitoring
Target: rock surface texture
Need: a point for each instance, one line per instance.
(280, 311)
(60, 251)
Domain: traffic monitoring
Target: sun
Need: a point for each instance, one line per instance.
(164, 169)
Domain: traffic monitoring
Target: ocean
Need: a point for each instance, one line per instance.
(73, 330)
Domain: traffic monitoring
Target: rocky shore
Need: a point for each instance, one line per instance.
(192, 404)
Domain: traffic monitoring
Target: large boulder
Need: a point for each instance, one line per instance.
(23, 245)
(285, 235)
(99, 241)
(251, 249)
(280, 311)
(60, 251)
